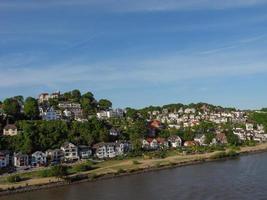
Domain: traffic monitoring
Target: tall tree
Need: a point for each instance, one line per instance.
(31, 108)
(11, 107)
(104, 104)
(76, 95)
(88, 103)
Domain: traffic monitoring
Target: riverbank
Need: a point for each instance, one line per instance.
(117, 168)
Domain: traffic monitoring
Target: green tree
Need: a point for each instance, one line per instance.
(208, 137)
(20, 99)
(104, 104)
(131, 113)
(31, 108)
(88, 103)
(104, 135)
(14, 179)
(11, 107)
(59, 171)
(232, 138)
(76, 95)
(137, 131)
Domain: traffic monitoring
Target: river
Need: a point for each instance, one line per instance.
(241, 178)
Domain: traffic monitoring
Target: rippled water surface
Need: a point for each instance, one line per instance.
(242, 178)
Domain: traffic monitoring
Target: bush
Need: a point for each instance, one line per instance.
(218, 155)
(82, 167)
(120, 171)
(14, 179)
(232, 153)
(223, 154)
(135, 162)
(45, 173)
(59, 171)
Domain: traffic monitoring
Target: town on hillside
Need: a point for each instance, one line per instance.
(68, 127)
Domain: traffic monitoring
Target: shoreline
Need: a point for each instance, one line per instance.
(111, 175)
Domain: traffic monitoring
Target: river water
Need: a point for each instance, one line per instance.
(241, 178)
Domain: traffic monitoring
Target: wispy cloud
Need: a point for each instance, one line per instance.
(167, 69)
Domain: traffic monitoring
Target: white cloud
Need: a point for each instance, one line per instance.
(178, 67)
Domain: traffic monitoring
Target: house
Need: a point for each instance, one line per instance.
(150, 144)
(84, 151)
(70, 151)
(190, 143)
(114, 132)
(67, 113)
(241, 133)
(102, 115)
(121, 147)
(43, 97)
(105, 150)
(189, 110)
(175, 141)
(200, 138)
(145, 144)
(68, 105)
(38, 159)
(153, 126)
(10, 130)
(163, 143)
(50, 114)
(54, 95)
(249, 126)
(260, 128)
(55, 155)
(4, 159)
(21, 160)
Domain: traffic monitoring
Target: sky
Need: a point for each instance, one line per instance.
(137, 52)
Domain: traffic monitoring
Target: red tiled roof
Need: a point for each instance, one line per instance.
(154, 124)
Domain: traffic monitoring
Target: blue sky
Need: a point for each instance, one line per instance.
(137, 52)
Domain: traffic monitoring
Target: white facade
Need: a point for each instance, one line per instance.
(175, 141)
(105, 150)
(70, 151)
(10, 130)
(50, 114)
(21, 160)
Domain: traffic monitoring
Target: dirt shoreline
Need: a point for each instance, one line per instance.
(245, 151)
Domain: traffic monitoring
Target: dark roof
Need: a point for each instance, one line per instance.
(66, 144)
(10, 126)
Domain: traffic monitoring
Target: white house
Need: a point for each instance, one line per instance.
(43, 97)
(241, 133)
(105, 150)
(70, 151)
(249, 127)
(150, 144)
(200, 139)
(38, 159)
(175, 141)
(55, 155)
(21, 160)
(50, 114)
(121, 147)
(10, 130)
(110, 113)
